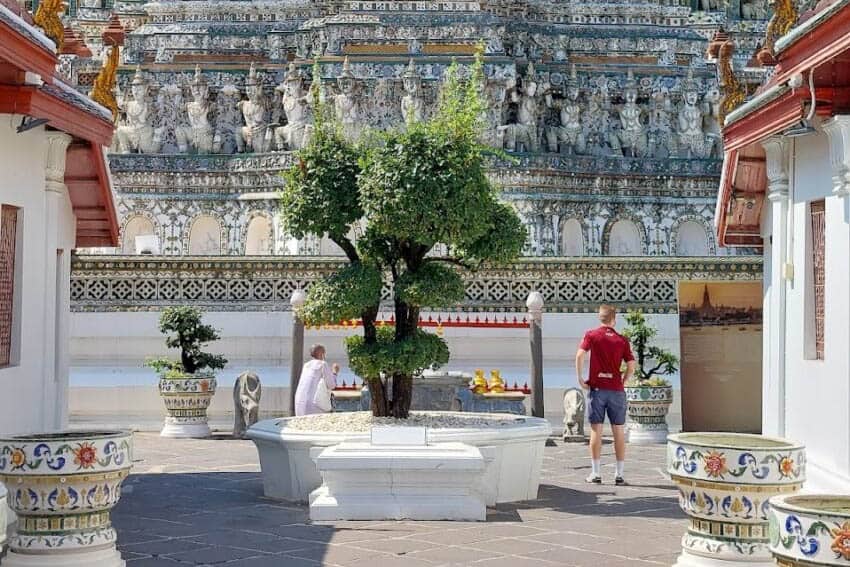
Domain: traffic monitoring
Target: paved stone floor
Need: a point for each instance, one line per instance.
(191, 502)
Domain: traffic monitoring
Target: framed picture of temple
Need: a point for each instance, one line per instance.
(720, 329)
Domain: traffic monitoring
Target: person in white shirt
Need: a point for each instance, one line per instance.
(314, 370)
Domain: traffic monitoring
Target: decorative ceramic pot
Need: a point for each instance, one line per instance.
(810, 530)
(186, 401)
(725, 481)
(647, 409)
(62, 487)
(3, 521)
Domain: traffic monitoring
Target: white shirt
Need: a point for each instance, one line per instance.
(313, 371)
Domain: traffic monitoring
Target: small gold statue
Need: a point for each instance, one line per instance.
(479, 383)
(497, 385)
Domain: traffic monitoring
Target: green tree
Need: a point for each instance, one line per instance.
(183, 329)
(412, 189)
(640, 334)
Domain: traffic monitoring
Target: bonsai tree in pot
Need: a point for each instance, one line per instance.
(187, 385)
(649, 394)
(409, 193)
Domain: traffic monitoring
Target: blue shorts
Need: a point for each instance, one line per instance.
(610, 402)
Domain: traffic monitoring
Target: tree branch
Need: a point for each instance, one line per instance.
(347, 247)
(449, 260)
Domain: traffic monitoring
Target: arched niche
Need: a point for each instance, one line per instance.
(205, 236)
(135, 226)
(624, 239)
(259, 239)
(692, 239)
(572, 238)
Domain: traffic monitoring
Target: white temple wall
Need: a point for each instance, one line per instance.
(813, 408)
(32, 387)
(130, 337)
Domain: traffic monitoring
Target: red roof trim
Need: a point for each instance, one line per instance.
(823, 43)
(103, 178)
(61, 115)
(772, 118)
(25, 54)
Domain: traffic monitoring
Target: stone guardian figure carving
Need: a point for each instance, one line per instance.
(691, 135)
(412, 103)
(246, 401)
(574, 412)
(569, 137)
(256, 134)
(137, 133)
(296, 105)
(198, 135)
(631, 138)
(228, 126)
(523, 136)
(346, 106)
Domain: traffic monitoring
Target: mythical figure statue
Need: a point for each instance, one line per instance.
(661, 142)
(631, 137)
(48, 17)
(246, 401)
(783, 19)
(228, 126)
(296, 105)
(734, 91)
(569, 135)
(137, 133)
(199, 133)
(710, 5)
(694, 141)
(412, 103)
(574, 411)
(523, 136)
(753, 10)
(346, 106)
(256, 134)
(711, 117)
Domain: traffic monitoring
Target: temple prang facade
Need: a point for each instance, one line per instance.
(609, 111)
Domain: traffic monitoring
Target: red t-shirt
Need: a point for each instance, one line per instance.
(608, 349)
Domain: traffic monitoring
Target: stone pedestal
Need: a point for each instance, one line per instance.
(186, 401)
(62, 486)
(432, 391)
(347, 400)
(395, 482)
(507, 402)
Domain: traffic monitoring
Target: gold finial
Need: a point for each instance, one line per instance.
(784, 17)
(103, 90)
(734, 91)
(497, 385)
(47, 17)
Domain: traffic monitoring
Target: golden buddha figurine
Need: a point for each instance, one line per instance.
(479, 383)
(497, 385)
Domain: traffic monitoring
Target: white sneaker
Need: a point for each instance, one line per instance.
(593, 479)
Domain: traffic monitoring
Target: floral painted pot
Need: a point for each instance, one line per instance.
(186, 402)
(725, 481)
(810, 530)
(62, 487)
(647, 410)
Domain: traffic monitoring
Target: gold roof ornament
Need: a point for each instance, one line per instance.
(734, 91)
(784, 17)
(48, 18)
(103, 90)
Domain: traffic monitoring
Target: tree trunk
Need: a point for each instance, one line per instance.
(380, 406)
(402, 395)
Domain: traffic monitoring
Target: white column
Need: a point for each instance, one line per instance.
(773, 361)
(838, 131)
(55, 367)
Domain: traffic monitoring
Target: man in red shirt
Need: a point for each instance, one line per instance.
(608, 350)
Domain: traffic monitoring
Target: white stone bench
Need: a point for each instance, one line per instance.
(362, 481)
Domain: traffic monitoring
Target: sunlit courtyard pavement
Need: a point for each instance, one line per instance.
(194, 502)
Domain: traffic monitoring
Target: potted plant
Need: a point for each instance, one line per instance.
(62, 487)
(649, 394)
(187, 385)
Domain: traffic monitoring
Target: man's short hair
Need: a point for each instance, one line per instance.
(607, 313)
(316, 349)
